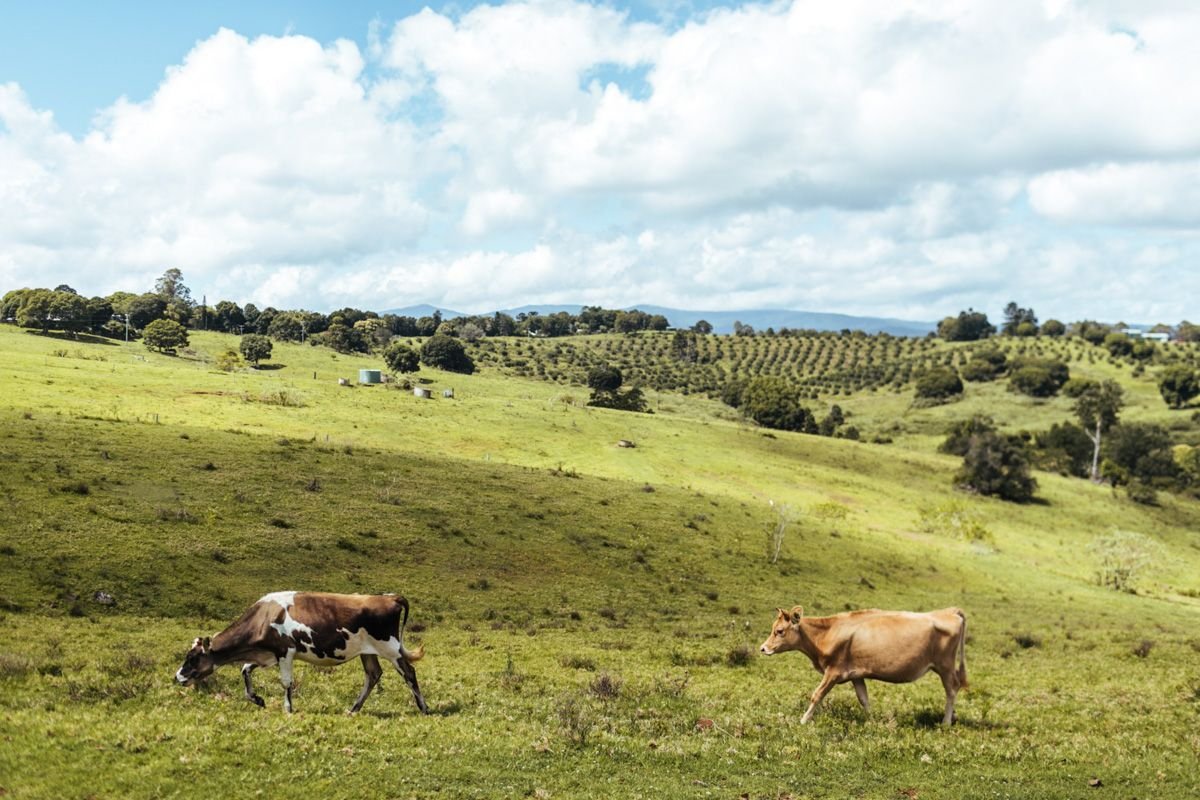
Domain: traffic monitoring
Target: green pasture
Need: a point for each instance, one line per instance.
(590, 613)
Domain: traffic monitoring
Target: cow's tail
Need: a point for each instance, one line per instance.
(961, 672)
(409, 655)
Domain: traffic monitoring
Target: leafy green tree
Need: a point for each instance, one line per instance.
(774, 403)
(997, 465)
(939, 384)
(1187, 332)
(99, 312)
(144, 309)
(1090, 330)
(604, 378)
(501, 325)
(287, 326)
(968, 326)
(401, 358)
(1065, 448)
(446, 352)
(1178, 384)
(345, 339)
(703, 327)
(1097, 407)
(165, 335)
(684, 347)
(1118, 344)
(170, 288)
(11, 302)
(958, 437)
(1015, 317)
(629, 400)
(228, 317)
(52, 310)
(985, 365)
(255, 348)
(1053, 327)
(1140, 451)
(732, 391)
(742, 329)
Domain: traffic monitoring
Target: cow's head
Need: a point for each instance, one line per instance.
(198, 664)
(784, 634)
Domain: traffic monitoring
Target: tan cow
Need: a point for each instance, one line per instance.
(892, 646)
(322, 629)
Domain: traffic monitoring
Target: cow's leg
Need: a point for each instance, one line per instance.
(950, 684)
(860, 689)
(371, 674)
(285, 677)
(250, 695)
(827, 683)
(410, 677)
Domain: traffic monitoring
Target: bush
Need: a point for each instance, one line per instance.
(1178, 384)
(939, 384)
(954, 519)
(774, 403)
(401, 358)
(1140, 451)
(997, 465)
(958, 438)
(1124, 556)
(445, 352)
(604, 378)
(1038, 377)
(1065, 449)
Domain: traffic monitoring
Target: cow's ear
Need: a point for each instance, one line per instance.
(796, 614)
(205, 643)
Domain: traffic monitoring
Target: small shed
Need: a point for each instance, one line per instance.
(448, 393)
(369, 376)
(421, 391)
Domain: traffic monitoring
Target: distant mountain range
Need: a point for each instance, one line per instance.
(722, 321)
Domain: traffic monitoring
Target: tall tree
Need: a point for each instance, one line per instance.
(171, 288)
(1097, 407)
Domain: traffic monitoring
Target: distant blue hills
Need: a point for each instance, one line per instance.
(722, 321)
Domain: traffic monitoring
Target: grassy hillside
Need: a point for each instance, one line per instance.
(587, 609)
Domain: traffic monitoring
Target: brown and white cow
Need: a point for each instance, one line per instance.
(892, 646)
(322, 629)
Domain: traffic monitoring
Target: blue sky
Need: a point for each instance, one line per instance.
(908, 159)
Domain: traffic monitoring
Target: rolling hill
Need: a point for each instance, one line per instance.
(590, 612)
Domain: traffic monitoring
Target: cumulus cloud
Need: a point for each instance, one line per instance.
(906, 158)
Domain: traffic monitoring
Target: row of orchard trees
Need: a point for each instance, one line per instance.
(972, 325)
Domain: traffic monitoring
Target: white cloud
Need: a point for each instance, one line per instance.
(1147, 193)
(906, 158)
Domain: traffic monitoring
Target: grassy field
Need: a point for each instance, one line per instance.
(590, 612)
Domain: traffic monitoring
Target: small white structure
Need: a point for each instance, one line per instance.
(448, 393)
(421, 391)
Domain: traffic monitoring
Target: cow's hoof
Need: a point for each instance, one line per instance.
(258, 701)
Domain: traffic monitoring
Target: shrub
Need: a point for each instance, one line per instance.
(401, 358)
(958, 437)
(1038, 377)
(939, 384)
(774, 403)
(1178, 384)
(445, 352)
(954, 519)
(997, 465)
(1065, 449)
(1124, 557)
